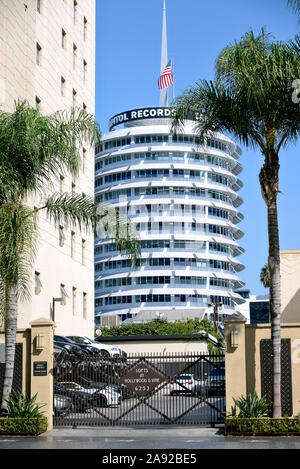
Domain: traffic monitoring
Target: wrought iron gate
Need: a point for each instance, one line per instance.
(141, 390)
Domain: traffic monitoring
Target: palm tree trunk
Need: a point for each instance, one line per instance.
(10, 346)
(269, 181)
(275, 304)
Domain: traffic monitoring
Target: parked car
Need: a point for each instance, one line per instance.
(63, 405)
(90, 349)
(105, 350)
(70, 346)
(104, 397)
(214, 384)
(185, 383)
(89, 383)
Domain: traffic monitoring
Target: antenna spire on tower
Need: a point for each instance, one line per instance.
(164, 93)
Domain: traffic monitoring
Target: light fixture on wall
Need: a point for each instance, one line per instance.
(234, 338)
(40, 342)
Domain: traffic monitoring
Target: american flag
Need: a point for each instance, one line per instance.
(166, 78)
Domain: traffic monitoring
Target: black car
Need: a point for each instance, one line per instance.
(69, 346)
(89, 348)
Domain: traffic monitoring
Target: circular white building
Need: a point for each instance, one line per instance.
(182, 197)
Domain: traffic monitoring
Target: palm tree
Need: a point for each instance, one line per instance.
(251, 99)
(34, 149)
(265, 276)
(295, 5)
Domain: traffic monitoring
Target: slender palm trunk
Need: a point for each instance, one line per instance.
(269, 181)
(275, 305)
(10, 346)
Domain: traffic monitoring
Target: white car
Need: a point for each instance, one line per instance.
(106, 350)
(184, 384)
(109, 396)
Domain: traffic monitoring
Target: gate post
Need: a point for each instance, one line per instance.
(42, 366)
(235, 358)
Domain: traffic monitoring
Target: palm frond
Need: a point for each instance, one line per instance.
(72, 210)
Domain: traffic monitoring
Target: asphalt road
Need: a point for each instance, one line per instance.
(105, 440)
(161, 408)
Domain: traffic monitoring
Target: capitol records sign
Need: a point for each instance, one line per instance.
(141, 114)
(142, 379)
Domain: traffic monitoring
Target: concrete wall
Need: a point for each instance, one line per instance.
(161, 346)
(243, 369)
(290, 286)
(31, 384)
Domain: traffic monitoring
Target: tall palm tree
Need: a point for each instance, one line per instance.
(34, 149)
(295, 5)
(265, 276)
(251, 99)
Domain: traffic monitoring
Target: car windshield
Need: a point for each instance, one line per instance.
(59, 338)
(91, 341)
(79, 340)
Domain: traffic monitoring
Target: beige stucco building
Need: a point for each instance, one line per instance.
(47, 56)
(290, 285)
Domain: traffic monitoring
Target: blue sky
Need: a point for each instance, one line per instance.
(128, 46)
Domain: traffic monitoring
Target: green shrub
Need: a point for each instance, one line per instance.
(264, 425)
(250, 406)
(19, 406)
(33, 426)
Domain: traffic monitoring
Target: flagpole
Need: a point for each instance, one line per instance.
(173, 79)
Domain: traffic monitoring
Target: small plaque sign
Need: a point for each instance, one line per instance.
(39, 368)
(142, 379)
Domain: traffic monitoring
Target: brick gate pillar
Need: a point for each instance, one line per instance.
(235, 358)
(42, 365)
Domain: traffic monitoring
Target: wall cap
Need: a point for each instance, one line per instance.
(41, 322)
(235, 318)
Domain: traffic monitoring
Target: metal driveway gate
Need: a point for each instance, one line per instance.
(149, 389)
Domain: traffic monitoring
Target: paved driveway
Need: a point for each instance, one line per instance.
(148, 438)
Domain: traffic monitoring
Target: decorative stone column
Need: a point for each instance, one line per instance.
(235, 358)
(42, 365)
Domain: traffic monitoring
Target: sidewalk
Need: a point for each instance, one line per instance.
(141, 437)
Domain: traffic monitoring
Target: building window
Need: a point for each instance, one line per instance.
(84, 107)
(62, 86)
(84, 305)
(84, 28)
(74, 11)
(83, 160)
(84, 71)
(35, 216)
(83, 251)
(72, 244)
(74, 300)
(73, 188)
(61, 184)
(38, 54)
(37, 285)
(74, 97)
(38, 6)
(63, 38)
(74, 56)
(61, 236)
(64, 294)
(37, 103)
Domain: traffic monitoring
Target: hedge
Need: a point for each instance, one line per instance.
(24, 426)
(262, 426)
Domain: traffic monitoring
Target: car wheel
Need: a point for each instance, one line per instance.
(172, 393)
(101, 401)
(104, 353)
